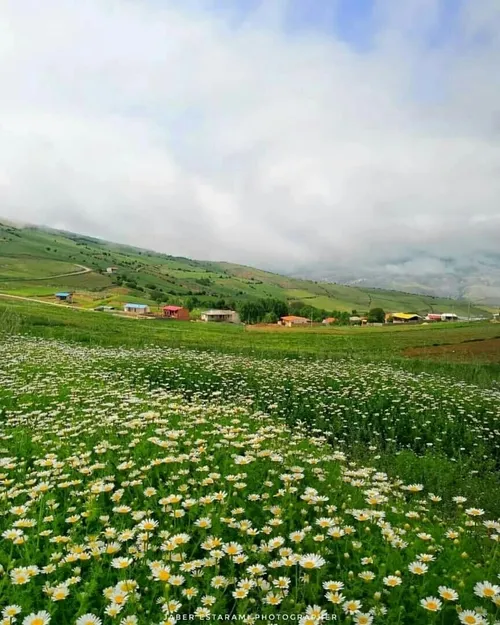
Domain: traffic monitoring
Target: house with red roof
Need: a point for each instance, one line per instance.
(293, 320)
(329, 321)
(176, 312)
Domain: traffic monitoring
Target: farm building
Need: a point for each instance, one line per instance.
(328, 321)
(433, 317)
(292, 320)
(111, 269)
(441, 317)
(355, 320)
(405, 318)
(138, 309)
(64, 297)
(176, 312)
(227, 316)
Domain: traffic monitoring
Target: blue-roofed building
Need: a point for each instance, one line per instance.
(138, 309)
(64, 296)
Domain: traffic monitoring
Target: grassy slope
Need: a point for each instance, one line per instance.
(29, 254)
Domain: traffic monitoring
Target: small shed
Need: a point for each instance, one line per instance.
(138, 309)
(176, 312)
(111, 269)
(64, 296)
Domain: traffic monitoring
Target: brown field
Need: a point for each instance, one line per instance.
(482, 350)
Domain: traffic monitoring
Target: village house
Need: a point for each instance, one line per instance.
(355, 320)
(111, 269)
(328, 321)
(292, 320)
(176, 312)
(137, 309)
(433, 317)
(449, 317)
(64, 297)
(221, 316)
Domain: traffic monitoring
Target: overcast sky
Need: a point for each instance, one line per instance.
(275, 133)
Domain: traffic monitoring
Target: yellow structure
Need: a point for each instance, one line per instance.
(405, 317)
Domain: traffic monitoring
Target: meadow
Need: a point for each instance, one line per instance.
(152, 472)
(372, 343)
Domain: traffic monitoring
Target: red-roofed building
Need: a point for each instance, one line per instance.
(292, 320)
(176, 312)
(329, 321)
(433, 317)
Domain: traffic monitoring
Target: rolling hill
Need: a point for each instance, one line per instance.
(36, 262)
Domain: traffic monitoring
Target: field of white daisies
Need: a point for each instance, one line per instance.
(150, 486)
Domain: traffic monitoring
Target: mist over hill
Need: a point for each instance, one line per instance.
(476, 278)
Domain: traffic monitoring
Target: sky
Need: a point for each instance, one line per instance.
(277, 133)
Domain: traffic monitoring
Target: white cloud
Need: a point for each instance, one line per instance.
(161, 124)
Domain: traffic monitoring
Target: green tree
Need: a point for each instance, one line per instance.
(270, 317)
(277, 307)
(376, 315)
(192, 302)
(157, 296)
(251, 311)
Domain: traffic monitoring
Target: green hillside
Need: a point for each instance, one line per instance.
(36, 262)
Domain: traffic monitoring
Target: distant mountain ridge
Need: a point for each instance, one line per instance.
(476, 279)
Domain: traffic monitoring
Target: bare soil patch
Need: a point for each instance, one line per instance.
(485, 350)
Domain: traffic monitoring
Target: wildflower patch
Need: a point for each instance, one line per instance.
(131, 503)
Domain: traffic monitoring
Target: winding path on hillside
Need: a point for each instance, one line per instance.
(80, 272)
(115, 313)
(41, 301)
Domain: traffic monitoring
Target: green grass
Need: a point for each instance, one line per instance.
(142, 469)
(290, 430)
(372, 343)
(28, 268)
